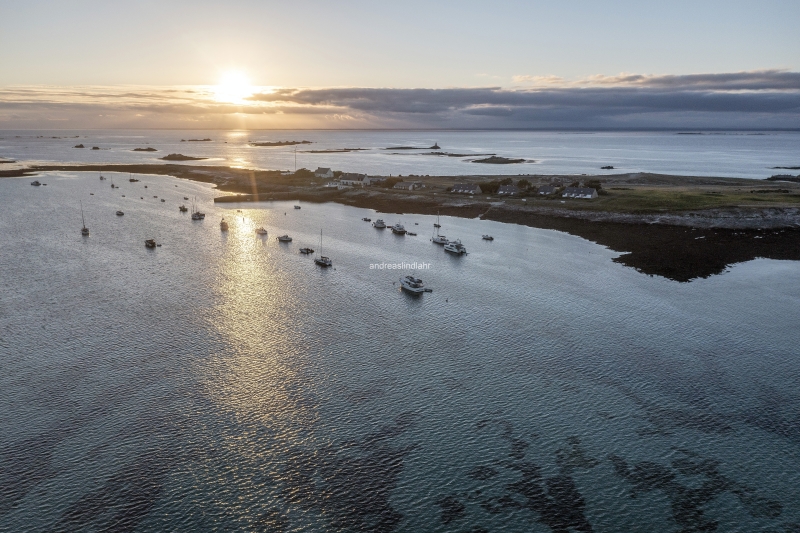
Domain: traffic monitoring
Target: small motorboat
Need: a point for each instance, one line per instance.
(155, 196)
(437, 225)
(261, 231)
(297, 207)
(150, 243)
(365, 219)
(185, 197)
(35, 183)
(323, 261)
(285, 238)
(306, 251)
(379, 224)
(455, 247)
(411, 233)
(413, 285)
(120, 213)
(91, 194)
(123, 196)
(101, 178)
(163, 200)
(145, 186)
(141, 198)
(183, 209)
(398, 229)
(223, 225)
(488, 238)
(133, 180)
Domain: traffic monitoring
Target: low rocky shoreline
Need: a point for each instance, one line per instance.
(678, 245)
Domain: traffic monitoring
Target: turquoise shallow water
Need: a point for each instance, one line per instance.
(222, 382)
(730, 154)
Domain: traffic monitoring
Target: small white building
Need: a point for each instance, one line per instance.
(354, 180)
(408, 185)
(586, 193)
(323, 172)
(466, 188)
(508, 190)
(331, 183)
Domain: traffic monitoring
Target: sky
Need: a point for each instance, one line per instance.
(353, 64)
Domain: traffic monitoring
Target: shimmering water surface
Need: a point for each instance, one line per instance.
(731, 154)
(222, 382)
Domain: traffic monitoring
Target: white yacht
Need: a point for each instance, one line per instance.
(285, 238)
(261, 231)
(196, 214)
(35, 183)
(413, 285)
(322, 260)
(455, 247)
(379, 224)
(398, 229)
(439, 239)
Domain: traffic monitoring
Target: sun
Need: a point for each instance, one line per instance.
(233, 88)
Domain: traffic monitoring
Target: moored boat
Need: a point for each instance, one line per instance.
(413, 285)
(398, 229)
(183, 209)
(322, 260)
(488, 238)
(455, 247)
(84, 229)
(223, 225)
(439, 239)
(379, 224)
(150, 243)
(306, 251)
(261, 231)
(120, 213)
(285, 238)
(297, 207)
(35, 183)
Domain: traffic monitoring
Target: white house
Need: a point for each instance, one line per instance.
(323, 172)
(579, 192)
(508, 190)
(353, 180)
(408, 185)
(466, 188)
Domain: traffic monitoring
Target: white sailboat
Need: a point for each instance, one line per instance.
(84, 230)
(322, 260)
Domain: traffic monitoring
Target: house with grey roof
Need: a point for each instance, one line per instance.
(547, 189)
(323, 172)
(408, 185)
(508, 190)
(580, 192)
(350, 179)
(466, 188)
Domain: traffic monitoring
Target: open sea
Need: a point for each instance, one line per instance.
(223, 382)
(730, 154)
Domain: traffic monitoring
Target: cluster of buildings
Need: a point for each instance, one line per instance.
(349, 180)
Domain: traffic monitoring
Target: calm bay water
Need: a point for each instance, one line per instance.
(222, 382)
(746, 155)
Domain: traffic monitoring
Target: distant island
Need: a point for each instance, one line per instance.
(6, 161)
(334, 150)
(787, 168)
(448, 154)
(206, 140)
(279, 143)
(496, 160)
(607, 167)
(180, 157)
(148, 149)
(434, 147)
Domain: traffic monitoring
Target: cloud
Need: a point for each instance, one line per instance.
(761, 99)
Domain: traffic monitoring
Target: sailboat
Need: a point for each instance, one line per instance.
(196, 214)
(438, 239)
(84, 230)
(322, 260)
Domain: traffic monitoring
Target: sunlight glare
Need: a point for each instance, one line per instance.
(233, 88)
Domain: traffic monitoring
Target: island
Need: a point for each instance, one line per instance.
(496, 160)
(434, 147)
(279, 143)
(607, 167)
(206, 140)
(334, 150)
(148, 149)
(181, 157)
(679, 227)
(449, 154)
(6, 161)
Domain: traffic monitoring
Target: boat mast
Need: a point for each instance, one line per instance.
(82, 219)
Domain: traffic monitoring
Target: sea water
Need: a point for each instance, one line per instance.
(224, 382)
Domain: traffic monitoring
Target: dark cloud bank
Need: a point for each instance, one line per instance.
(762, 99)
